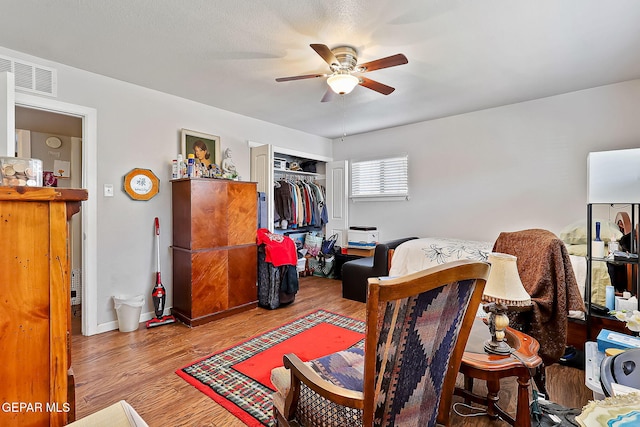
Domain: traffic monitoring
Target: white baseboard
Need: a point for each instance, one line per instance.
(113, 325)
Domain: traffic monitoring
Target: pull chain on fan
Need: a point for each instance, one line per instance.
(343, 63)
(343, 105)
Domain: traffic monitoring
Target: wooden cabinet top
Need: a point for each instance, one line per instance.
(42, 194)
(220, 180)
(213, 213)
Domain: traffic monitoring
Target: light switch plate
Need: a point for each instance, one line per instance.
(108, 190)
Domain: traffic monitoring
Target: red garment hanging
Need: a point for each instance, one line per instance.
(279, 249)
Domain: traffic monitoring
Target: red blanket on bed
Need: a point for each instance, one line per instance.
(546, 273)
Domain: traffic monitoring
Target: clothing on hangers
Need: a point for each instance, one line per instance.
(300, 202)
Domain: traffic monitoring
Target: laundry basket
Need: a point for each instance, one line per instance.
(128, 310)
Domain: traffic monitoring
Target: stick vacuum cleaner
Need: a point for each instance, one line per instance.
(159, 294)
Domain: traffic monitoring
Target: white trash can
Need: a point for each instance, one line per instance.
(128, 310)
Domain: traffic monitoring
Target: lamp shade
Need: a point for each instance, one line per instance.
(342, 83)
(504, 284)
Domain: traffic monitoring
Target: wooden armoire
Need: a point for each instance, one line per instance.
(214, 248)
(35, 305)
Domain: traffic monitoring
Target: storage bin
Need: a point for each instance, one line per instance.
(611, 339)
(358, 238)
(592, 360)
(302, 265)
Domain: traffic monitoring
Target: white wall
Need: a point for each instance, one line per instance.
(503, 169)
(48, 155)
(471, 176)
(7, 114)
(139, 127)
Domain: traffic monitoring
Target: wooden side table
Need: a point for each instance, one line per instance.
(363, 252)
(476, 363)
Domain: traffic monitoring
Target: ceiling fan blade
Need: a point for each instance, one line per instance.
(326, 54)
(374, 85)
(307, 76)
(389, 61)
(329, 95)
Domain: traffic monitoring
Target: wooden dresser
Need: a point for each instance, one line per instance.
(35, 315)
(214, 248)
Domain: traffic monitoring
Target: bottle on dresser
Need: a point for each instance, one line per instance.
(175, 170)
(182, 168)
(191, 166)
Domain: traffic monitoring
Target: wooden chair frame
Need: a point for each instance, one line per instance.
(379, 293)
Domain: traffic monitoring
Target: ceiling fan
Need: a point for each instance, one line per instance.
(343, 62)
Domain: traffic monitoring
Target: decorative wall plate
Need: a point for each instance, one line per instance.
(53, 142)
(141, 184)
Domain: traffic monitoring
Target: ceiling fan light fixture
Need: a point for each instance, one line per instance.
(342, 84)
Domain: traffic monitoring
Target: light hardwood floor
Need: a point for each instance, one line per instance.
(140, 366)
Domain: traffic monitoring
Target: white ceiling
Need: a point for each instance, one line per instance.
(464, 55)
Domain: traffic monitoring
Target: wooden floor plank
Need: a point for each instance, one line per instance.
(139, 366)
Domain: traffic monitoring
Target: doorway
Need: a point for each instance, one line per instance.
(86, 227)
(56, 139)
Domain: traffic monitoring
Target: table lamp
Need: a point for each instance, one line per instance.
(502, 293)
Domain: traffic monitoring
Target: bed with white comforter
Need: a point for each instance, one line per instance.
(419, 254)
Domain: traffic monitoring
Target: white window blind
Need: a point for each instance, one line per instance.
(380, 178)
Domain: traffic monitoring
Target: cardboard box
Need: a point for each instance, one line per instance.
(365, 239)
(610, 339)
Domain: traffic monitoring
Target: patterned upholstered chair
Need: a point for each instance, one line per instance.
(416, 329)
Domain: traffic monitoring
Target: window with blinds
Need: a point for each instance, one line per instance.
(380, 178)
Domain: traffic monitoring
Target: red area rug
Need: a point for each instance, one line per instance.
(238, 378)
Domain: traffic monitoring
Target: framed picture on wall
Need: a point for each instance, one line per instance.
(205, 147)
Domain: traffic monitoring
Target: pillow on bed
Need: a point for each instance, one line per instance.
(576, 233)
(577, 250)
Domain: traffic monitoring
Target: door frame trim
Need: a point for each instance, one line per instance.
(89, 276)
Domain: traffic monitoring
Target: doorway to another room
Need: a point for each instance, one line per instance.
(56, 140)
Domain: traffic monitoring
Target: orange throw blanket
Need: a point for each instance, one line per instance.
(546, 273)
